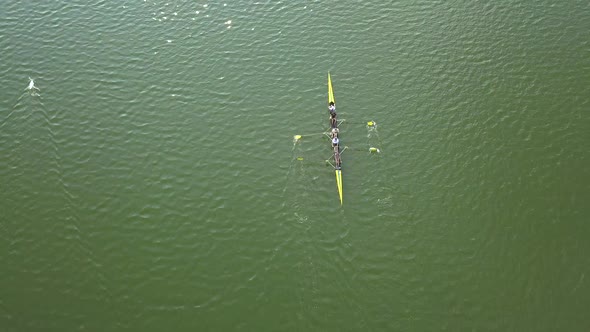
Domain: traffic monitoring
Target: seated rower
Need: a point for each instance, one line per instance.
(334, 133)
(333, 121)
(337, 159)
(332, 107)
(335, 141)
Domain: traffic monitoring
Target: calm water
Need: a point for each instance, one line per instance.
(151, 181)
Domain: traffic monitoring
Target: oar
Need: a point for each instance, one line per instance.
(298, 137)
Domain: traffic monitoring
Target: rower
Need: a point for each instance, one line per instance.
(332, 107)
(337, 159)
(335, 141)
(333, 121)
(334, 133)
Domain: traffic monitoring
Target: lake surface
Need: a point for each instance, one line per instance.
(150, 180)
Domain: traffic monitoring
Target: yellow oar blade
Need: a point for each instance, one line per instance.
(330, 91)
(339, 183)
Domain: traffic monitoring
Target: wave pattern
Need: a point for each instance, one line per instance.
(152, 183)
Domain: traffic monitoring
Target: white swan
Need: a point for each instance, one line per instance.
(32, 85)
(32, 88)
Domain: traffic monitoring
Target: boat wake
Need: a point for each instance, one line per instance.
(24, 101)
(373, 139)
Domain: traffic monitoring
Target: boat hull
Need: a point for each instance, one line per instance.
(330, 91)
(339, 182)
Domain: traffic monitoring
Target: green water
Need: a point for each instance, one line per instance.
(152, 183)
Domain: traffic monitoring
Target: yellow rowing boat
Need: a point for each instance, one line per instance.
(337, 169)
